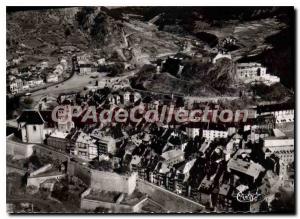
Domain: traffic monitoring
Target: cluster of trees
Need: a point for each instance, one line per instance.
(12, 103)
(270, 93)
(96, 26)
(113, 70)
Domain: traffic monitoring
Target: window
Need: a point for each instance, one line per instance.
(258, 72)
(34, 128)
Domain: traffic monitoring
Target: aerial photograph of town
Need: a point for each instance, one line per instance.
(150, 110)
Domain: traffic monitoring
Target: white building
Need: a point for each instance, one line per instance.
(126, 96)
(115, 83)
(16, 86)
(52, 78)
(44, 65)
(248, 169)
(251, 70)
(114, 99)
(59, 69)
(282, 148)
(64, 63)
(85, 147)
(33, 127)
(26, 87)
(130, 97)
(108, 145)
(192, 132)
(31, 83)
(101, 61)
(39, 82)
(110, 181)
(211, 134)
(84, 67)
(255, 72)
(172, 157)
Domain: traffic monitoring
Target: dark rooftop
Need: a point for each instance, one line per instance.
(31, 117)
(275, 107)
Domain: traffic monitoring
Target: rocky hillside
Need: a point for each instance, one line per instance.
(222, 70)
(197, 78)
(41, 34)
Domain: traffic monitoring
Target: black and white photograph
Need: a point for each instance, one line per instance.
(150, 110)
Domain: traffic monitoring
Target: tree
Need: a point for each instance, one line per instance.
(67, 32)
(82, 16)
(99, 29)
(28, 101)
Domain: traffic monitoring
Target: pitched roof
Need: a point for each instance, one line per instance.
(224, 189)
(275, 107)
(47, 117)
(172, 154)
(31, 117)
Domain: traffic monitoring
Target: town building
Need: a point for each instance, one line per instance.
(114, 191)
(213, 131)
(84, 67)
(108, 145)
(114, 201)
(16, 86)
(43, 65)
(101, 61)
(64, 64)
(248, 170)
(30, 83)
(284, 113)
(283, 148)
(33, 126)
(265, 122)
(86, 147)
(39, 82)
(193, 132)
(224, 202)
(172, 157)
(114, 99)
(205, 145)
(114, 182)
(255, 72)
(38, 177)
(129, 97)
(52, 78)
(232, 146)
(58, 140)
(205, 189)
(251, 70)
(26, 87)
(59, 69)
(108, 141)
